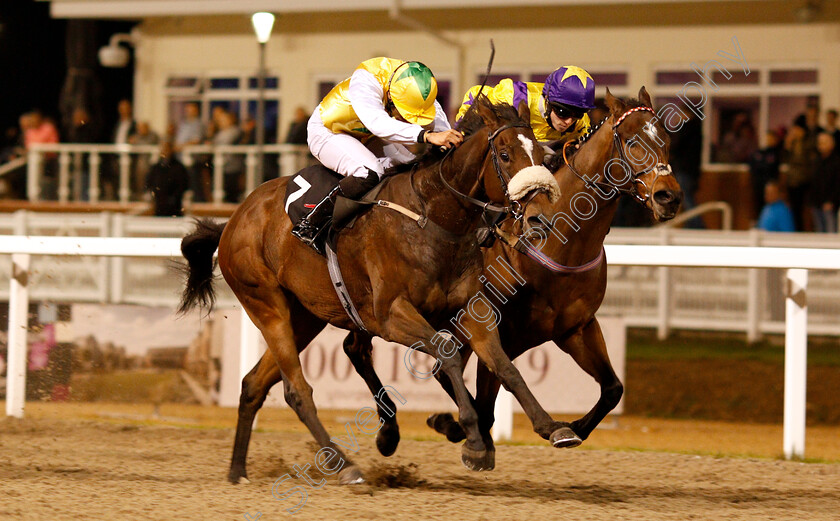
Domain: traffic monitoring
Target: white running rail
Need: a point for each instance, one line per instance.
(796, 260)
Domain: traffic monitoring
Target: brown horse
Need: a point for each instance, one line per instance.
(566, 273)
(405, 279)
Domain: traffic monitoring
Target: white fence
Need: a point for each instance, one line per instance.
(665, 298)
(799, 259)
(73, 161)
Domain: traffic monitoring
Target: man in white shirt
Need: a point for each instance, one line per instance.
(385, 98)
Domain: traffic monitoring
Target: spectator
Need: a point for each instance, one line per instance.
(776, 215)
(13, 184)
(831, 125)
(825, 194)
(764, 167)
(167, 182)
(126, 125)
(739, 142)
(190, 131)
(799, 162)
(40, 130)
(685, 153)
(249, 129)
(81, 130)
(143, 135)
(297, 129)
(233, 168)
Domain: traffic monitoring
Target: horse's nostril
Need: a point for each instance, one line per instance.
(666, 197)
(534, 221)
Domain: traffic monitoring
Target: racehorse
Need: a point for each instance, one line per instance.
(405, 275)
(557, 248)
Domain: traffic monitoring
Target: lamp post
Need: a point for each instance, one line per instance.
(262, 22)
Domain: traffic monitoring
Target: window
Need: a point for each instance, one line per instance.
(743, 108)
(235, 92)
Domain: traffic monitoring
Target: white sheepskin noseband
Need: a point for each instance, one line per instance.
(533, 178)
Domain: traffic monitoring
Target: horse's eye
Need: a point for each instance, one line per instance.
(505, 157)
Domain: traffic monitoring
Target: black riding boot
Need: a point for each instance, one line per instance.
(309, 228)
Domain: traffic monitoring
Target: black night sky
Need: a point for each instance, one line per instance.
(32, 56)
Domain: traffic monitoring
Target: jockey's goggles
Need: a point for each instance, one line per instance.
(566, 111)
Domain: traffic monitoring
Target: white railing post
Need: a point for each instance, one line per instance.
(796, 358)
(753, 297)
(664, 299)
(503, 413)
(95, 161)
(218, 177)
(18, 326)
(289, 162)
(251, 172)
(78, 166)
(64, 176)
(125, 177)
(33, 175)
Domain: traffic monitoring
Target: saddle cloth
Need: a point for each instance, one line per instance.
(306, 189)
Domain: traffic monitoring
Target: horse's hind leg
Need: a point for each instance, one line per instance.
(271, 314)
(358, 347)
(589, 350)
(255, 387)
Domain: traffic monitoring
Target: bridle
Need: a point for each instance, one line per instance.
(517, 243)
(491, 212)
(661, 169)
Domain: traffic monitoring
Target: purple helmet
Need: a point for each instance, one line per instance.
(572, 86)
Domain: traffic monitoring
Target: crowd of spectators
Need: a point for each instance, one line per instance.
(222, 128)
(802, 164)
(796, 169)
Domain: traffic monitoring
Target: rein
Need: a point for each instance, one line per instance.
(493, 210)
(539, 257)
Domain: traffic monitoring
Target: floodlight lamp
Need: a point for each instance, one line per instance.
(262, 22)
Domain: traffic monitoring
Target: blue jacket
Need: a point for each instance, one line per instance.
(776, 217)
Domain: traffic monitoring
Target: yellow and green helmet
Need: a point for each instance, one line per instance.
(413, 90)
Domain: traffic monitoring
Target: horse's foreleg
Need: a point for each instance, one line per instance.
(484, 340)
(444, 423)
(358, 347)
(588, 349)
(255, 387)
(406, 326)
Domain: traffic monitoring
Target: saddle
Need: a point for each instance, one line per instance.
(311, 185)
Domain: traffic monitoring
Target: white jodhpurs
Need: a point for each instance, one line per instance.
(347, 155)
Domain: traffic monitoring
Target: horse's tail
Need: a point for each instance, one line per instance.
(198, 248)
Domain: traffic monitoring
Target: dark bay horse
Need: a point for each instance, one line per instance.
(566, 272)
(404, 280)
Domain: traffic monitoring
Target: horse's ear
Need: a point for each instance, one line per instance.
(644, 97)
(524, 112)
(485, 110)
(615, 105)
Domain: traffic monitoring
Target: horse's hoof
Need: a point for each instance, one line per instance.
(350, 476)
(238, 478)
(445, 424)
(478, 460)
(387, 439)
(565, 438)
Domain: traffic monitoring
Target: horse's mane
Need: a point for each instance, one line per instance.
(472, 122)
(630, 103)
(469, 125)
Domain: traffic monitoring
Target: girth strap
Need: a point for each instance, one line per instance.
(339, 285)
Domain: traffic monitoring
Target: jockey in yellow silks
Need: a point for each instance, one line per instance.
(558, 107)
(392, 100)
